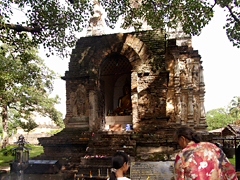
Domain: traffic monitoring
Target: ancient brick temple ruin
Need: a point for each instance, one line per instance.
(166, 89)
(144, 80)
(165, 81)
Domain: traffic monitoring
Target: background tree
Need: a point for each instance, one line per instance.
(25, 84)
(51, 23)
(55, 23)
(235, 107)
(218, 118)
(193, 15)
(28, 126)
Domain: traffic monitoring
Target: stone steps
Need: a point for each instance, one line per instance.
(71, 145)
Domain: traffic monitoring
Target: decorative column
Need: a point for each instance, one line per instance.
(177, 89)
(189, 79)
(201, 77)
(93, 105)
(178, 105)
(190, 120)
(202, 122)
(92, 109)
(183, 109)
(202, 109)
(134, 98)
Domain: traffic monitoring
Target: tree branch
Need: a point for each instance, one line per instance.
(20, 28)
(232, 14)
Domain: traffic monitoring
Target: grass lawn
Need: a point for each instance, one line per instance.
(6, 155)
(232, 160)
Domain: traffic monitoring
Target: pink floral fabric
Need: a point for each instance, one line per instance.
(203, 161)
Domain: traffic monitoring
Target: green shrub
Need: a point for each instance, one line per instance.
(7, 152)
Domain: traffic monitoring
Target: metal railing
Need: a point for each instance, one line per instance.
(236, 146)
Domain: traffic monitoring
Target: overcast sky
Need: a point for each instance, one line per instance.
(221, 65)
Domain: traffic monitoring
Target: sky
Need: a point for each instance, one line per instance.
(221, 62)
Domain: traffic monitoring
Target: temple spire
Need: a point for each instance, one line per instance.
(96, 25)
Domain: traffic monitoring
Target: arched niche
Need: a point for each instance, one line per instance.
(115, 71)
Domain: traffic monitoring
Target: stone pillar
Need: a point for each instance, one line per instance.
(189, 79)
(178, 108)
(177, 89)
(202, 120)
(183, 109)
(92, 110)
(134, 98)
(201, 76)
(190, 108)
(68, 104)
(202, 109)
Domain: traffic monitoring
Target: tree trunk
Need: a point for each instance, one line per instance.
(4, 114)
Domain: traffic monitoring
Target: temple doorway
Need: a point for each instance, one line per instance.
(115, 79)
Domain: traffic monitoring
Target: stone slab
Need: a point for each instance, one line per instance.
(123, 120)
(40, 167)
(13, 176)
(159, 170)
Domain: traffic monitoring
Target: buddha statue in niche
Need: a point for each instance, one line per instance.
(124, 103)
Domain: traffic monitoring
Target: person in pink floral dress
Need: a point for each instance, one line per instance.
(200, 160)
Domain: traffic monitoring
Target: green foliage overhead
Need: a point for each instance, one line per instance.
(55, 23)
(193, 15)
(51, 23)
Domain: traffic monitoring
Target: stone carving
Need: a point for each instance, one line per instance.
(194, 77)
(176, 68)
(183, 74)
(190, 107)
(183, 79)
(96, 25)
(189, 72)
(201, 75)
(78, 102)
(184, 109)
(195, 110)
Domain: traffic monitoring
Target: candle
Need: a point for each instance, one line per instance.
(98, 172)
(107, 173)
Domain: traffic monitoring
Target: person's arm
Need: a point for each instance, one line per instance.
(227, 167)
(179, 171)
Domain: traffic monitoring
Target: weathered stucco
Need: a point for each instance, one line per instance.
(167, 84)
(167, 90)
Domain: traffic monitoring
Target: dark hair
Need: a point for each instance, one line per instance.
(188, 133)
(118, 159)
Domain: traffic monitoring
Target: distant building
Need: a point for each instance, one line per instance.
(229, 131)
(43, 129)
